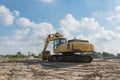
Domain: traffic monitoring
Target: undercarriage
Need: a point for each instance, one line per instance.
(70, 58)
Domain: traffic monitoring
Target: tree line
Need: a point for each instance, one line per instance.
(95, 55)
(105, 55)
(20, 55)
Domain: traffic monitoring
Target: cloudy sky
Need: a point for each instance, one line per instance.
(24, 24)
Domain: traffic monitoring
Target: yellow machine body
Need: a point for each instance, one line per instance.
(67, 49)
(73, 47)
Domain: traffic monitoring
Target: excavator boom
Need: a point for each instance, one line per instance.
(51, 37)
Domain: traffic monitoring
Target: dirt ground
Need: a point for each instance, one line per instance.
(34, 69)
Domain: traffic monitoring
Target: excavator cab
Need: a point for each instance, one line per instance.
(58, 41)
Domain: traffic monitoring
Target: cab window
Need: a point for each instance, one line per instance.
(63, 41)
(58, 41)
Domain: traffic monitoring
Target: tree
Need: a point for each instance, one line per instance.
(19, 53)
(118, 55)
(96, 55)
(107, 55)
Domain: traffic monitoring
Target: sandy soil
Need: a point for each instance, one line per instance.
(33, 69)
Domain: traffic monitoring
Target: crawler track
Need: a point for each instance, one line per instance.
(70, 58)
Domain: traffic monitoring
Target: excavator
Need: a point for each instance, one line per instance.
(73, 50)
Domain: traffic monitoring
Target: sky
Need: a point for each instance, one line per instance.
(25, 24)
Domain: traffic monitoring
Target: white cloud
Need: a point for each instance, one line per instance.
(25, 22)
(10, 43)
(106, 40)
(20, 34)
(86, 28)
(39, 33)
(14, 43)
(16, 13)
(109, 18)
(38, 29)
(117, 9)
(43, 29)
(115, 16)
(6, 17)
(89, 23)
(71, 27)
(65, 32)
(90, 29)
(32, 35)
(69, 23)
(118, 28)
(47, 1)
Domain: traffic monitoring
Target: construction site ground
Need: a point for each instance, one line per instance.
(35, 69)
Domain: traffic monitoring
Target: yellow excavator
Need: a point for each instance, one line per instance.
(67, 51)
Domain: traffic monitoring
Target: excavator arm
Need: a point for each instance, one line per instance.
(50, 37)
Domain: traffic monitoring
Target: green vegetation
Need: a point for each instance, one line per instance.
(95, 55)
(20, 55)
(105, 55)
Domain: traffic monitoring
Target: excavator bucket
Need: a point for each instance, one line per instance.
(45, 55)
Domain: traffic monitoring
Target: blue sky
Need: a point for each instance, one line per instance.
(39, 11)
(23, 22)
